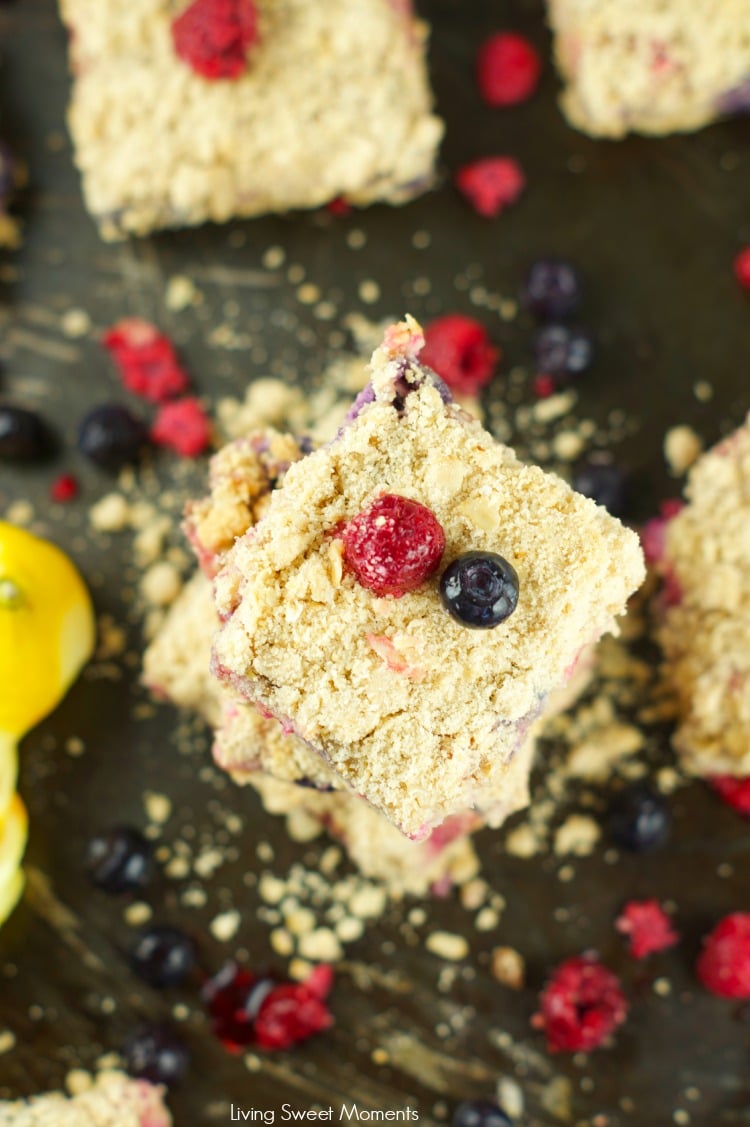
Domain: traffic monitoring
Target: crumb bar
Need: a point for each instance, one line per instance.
(433, 733)
(334, 102)
(113, 1100)
(651, 66)
(704, 630)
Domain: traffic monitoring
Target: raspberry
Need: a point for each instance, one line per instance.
(544, 386)
(258, 1009)
(647, 926)
(214, 36)
(734, 791)
(508, 69)
(724, 965)
(459, 350)
(147, 360)
(742, 268)
(184, 426)
(491, 184)
(338, 206)
(64, 489)
(393, 545)
(581, 1005)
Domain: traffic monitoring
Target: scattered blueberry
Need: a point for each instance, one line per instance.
(639, 819)
(552, 289)
(24, 436)
(111, 436)
(605, 483)
(158, 1054)
(479, 589)
(163, 956)
(120, 860)
(480, 1113)
(563, 352)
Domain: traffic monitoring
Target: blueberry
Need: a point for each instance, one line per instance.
(120, 860)
(552, 289)
(24, 436)
(563, 352)
(112, 437)
(479, 589)
(158, 1054)
(163, 956)
(639, 819)
(480, 1113)
(605, 483)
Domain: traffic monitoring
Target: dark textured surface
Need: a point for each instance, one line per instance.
(654, 226)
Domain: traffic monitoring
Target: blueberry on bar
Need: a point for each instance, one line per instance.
(413, 710)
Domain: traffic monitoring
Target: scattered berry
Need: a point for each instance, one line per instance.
(163, 956)
(339, 206)
(460, 351)
(724, 964)
(508, 69)
(158, 1054)
(111, 437)
(543, 386)
(562, 352)
(214, 36)
(24, 436)
(491, 184)
(393, 545)
(64, 488)
(742, 268)
(581, 1005)
(184, 426)
(479, 589)
(639, 819)
(603, 482)
(647, 926)
(249, 1009)
(479, 1113)
(120, 860)
(552, 289)
(146, 359)
(734, 791)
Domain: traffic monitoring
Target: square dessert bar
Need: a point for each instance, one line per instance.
(415, 710)
(705, 624)
(651, 66)
(112, 1100)
(327, 100)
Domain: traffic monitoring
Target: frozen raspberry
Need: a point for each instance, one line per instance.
(215, 36)
(64, 489)
(183, 426)
(338, 206)
(249, 1009)
(734, 791)
(544, 386)
(459, 350)
(147, 361)
(742, 268)
(647, 926)
(581, 1005)
(508, 69)
(393, 545)
(724, 965)
(491, 184)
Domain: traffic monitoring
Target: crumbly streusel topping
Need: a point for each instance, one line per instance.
(705, 635)
(113, 1100)
(335, 101)
(299, 629)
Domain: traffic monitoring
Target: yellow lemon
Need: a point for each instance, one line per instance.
(46, 629)
(13, 834)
